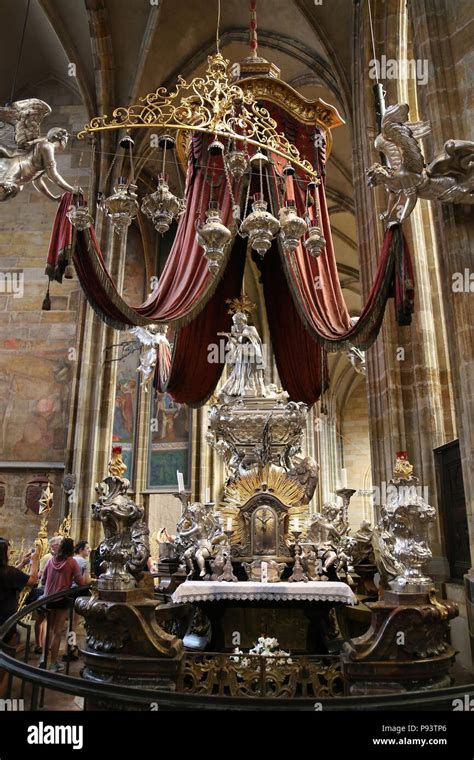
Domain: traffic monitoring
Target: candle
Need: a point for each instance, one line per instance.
(208, 495)
(264, 572)
(343, 478)
(180, 481)
(229, 523)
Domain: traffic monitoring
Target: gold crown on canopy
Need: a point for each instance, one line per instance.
(213, 104)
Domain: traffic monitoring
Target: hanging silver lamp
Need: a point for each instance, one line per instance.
(315, 242)
(79, 215)
(292, 227)
(260, 226)
(237, 162)
(213, 236)
(122, 206)
(162, 206)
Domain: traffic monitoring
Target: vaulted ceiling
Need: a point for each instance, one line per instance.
(124, 48)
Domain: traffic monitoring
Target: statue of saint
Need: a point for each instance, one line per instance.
(244, 352)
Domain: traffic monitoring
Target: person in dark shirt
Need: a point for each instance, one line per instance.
(13, 581)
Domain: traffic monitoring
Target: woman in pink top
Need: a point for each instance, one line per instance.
(58, 575)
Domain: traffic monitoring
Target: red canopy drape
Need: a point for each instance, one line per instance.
(193, 377)
(185, 284)
(314, 282)
(304, 299)
(300, 360)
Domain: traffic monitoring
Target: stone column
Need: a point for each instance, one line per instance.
(408, 381)
(442, 34)
(94, 395)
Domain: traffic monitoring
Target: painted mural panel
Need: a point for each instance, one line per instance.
(34, 401)
(170, 443)
(126, 393)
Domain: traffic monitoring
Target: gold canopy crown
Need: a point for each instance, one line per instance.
(212, 104)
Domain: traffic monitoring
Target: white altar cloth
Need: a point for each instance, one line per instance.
(217, 591)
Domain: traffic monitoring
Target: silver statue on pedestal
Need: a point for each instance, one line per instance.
(449, 178)
(245, 354)
(26, 156)
(401, 542)
(126, 546)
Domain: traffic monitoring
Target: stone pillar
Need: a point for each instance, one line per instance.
(407, 375)
(94, 397)
(442, 34)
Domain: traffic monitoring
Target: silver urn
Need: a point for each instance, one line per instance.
(260, 226)
(213, 236)
(292, 228)
(122, 206)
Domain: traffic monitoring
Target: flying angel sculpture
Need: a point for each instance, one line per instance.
(449, 178)
(151, 339)
(25, 155)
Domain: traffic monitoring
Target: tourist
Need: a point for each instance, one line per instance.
(37, 593)
(13, 581)
(54, 544)
(82, 552)
(59, 574)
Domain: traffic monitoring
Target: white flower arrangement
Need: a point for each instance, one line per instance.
(264, 647)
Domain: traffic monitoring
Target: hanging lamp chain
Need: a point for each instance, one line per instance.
(20, 53)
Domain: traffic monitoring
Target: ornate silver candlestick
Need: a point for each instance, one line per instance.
(346, 495)
(228, 574)
(298, 573)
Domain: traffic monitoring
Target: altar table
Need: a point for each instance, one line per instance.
(312, 591)
(297, 614)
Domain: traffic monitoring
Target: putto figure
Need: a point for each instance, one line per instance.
(449, 178)
(26, 156)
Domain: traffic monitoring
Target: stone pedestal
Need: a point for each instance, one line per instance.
(406, 647)
(127, 642)
(132, 638)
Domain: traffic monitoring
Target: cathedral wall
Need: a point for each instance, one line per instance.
(355, 431)
(38, 355)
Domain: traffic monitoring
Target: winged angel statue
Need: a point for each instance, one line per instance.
(449, 178)
(25, 155)
(150, 339)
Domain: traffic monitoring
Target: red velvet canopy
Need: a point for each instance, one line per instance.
(304, 300)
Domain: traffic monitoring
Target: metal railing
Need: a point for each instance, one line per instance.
(210, 695)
